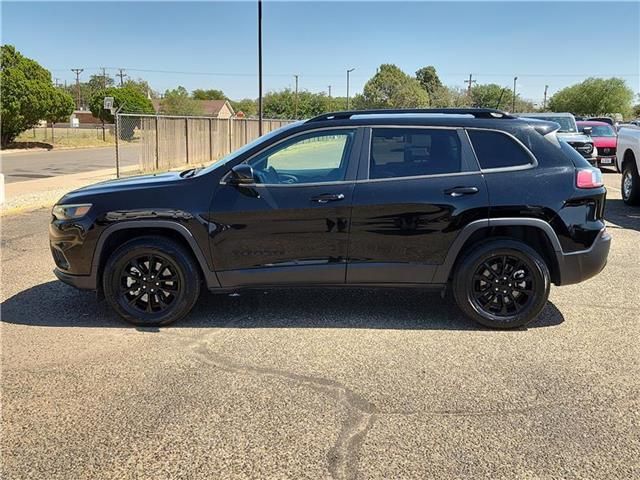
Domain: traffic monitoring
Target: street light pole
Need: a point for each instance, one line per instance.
(513, 105)
(348, 72)
(260, 67)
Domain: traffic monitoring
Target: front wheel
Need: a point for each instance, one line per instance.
(501, 284)
(630, 185)
(151, 281)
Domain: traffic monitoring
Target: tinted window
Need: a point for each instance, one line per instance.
(311, 158)
(599, 130)
(497, 150)
(404, 152)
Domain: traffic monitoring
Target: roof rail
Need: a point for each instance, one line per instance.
(476, 112)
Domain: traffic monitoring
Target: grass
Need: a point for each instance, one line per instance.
(63, 138)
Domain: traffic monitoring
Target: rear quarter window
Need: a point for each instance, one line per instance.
(498, 150)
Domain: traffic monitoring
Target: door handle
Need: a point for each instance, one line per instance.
(460, 191)
(328, 197)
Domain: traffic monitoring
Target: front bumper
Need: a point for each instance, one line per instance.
(607, 161)
(579, 266)
(83, 282)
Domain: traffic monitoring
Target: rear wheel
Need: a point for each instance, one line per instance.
(630, 184)
(151, 281)
(501, 284)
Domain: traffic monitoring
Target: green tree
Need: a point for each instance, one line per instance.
(594, 96)
(248, 106)
(200, 94)
(178, 102)
(61, 106)
(284, 104)
(428, 78)
(491, 95)
(130, 99)
(27, 95)
(141, 86)
(390, 87)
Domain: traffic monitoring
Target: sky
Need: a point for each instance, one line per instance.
(214, 44)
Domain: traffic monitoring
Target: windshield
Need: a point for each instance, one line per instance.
(600, 130)
(567, 124)
(249, 146)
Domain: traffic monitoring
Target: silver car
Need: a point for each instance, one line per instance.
(568, 132)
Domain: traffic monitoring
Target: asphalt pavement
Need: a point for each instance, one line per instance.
(319, 383)
(22, 166)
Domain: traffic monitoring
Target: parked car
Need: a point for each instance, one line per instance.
(605, 139)
(629, 163)
(494, 207)
(608, 120)
(569, 132)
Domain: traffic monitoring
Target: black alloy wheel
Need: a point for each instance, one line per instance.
(151, 281)
(501, 283)
(503, 286)
(149, 284)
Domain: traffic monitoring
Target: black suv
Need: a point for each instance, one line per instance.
(495, 207)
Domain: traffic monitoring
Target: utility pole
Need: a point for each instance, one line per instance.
(544, 103)
(121, 74)
(329, 91)
(57, 83)
(471, 81)
(513, 104)
(295, 108)
(104, 77)
(77, 71)
(348, 72)
(260, 67)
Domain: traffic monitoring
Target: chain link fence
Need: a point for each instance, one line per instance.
(162, 142)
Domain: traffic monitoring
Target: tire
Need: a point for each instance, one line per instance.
(155, 264)
(630, 184)
(526, 286)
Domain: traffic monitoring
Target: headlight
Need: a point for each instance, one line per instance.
(69, 212)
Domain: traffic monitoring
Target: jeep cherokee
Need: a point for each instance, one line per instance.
(494, 207)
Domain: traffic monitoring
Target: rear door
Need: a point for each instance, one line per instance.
(417, 187)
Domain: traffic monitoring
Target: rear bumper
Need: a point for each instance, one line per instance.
(83, 282)
(579, 266)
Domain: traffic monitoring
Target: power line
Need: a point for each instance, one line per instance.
(121, 74)
(471, 81)
(77, 71)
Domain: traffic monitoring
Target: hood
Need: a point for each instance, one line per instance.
(129, 183)
(605, 142)
(575, 137)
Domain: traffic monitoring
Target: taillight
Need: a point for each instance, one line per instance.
(589, 178)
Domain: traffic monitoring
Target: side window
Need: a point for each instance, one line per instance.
(497, 150)
(410, 152)
(311, 158)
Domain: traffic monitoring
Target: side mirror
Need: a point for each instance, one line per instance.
(587, 130)
(242, 175)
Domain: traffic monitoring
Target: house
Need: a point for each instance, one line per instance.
(210, 108)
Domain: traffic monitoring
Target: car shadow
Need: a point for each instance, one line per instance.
(622, 215)
(54, 304)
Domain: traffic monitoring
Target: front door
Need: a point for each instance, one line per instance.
(419, 187)
(292, 225)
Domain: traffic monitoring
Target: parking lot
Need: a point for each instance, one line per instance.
(320, 383)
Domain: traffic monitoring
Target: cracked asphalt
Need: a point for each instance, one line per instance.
(319, 384)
